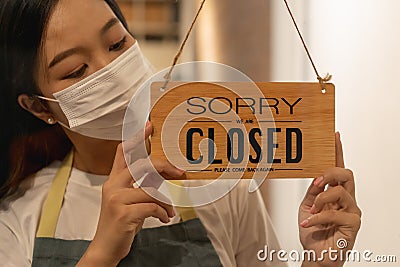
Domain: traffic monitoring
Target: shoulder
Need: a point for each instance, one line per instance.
(19, 214)
(29, 196)
(42, 177)
(34, 183)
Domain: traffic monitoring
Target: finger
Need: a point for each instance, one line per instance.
(335, 217)
(152, 180)
(336, 176)
(335, 195)
(312, 192)
(125, 147)
(129, 196)
(155, 166)
(139, 212)
(119, 161)
(139, 138)
(339, 151)
(165, 167)
(137, 147)
(124, 179)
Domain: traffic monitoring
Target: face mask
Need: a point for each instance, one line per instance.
(96, 106)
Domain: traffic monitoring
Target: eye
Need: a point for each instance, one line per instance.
(118, 46)
(77, 74)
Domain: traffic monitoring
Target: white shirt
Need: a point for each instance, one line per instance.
(238, 224)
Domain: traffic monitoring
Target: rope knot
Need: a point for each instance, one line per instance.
(326, 79)
(323, 81)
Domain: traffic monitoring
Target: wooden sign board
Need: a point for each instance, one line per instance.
(278, 130)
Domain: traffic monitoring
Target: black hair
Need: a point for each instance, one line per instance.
(27, 144)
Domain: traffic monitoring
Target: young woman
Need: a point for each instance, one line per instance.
(67, 67)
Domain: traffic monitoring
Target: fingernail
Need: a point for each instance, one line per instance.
(304, 223)
(166, 221)
(172, 213)
(312, 210)
(180, 169)
(318, 180)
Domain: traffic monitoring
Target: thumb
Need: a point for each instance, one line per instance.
(339, 151)
(128, 147)
(119, 161)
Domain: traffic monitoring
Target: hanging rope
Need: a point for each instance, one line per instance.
(167, 77)
(321, 80)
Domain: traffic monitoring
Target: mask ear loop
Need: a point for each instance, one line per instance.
(167, 77)
(46, 98)
(321, 80)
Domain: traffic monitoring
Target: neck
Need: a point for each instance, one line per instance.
(93, 155)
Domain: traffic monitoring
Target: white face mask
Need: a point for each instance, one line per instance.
(96, 106)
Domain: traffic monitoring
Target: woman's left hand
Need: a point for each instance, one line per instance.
(330, 219)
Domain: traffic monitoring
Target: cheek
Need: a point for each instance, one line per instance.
(46, 87)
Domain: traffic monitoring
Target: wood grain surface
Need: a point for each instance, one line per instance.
(278, 130)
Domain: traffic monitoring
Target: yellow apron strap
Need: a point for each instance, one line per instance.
(187, 213)
(52, 206)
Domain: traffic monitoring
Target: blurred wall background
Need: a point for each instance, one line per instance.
(357, 41)
(156, 24)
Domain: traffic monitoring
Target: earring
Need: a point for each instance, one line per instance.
(51, 121)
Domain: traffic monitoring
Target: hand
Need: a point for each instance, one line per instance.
(124, 209)
(327, 216)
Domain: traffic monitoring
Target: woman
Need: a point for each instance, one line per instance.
(56, 57)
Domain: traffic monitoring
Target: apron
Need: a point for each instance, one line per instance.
(182, 244)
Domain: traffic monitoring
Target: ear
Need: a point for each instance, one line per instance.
(36, 108)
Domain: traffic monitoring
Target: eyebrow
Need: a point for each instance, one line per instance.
(109, 25)
(63, 55)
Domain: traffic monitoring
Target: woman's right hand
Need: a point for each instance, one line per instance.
(123, 211)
